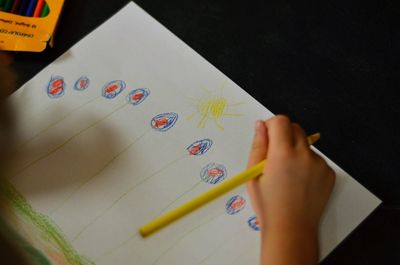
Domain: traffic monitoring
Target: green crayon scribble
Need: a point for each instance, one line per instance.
(48, 229)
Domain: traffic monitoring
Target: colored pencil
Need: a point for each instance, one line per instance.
(8, 5)
(208, 196)
(39, 8)
(22, 7)
(45, 11)
(15, 6)
(31, 8)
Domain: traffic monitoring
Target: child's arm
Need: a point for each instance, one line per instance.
(290, 196)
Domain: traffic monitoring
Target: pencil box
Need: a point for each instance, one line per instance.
(23, 33)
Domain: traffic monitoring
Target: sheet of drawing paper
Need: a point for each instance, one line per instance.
(129, 123)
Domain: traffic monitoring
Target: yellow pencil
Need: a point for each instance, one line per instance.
(209, 195)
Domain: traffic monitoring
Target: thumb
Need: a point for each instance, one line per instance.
(258, 153)
(259, 147)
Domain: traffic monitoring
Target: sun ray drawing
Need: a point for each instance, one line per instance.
(213, 107)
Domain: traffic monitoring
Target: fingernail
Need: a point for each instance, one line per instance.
(259, 125)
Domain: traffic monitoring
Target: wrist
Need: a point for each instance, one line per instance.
(289, 243)
(291, 225)
(290, 220)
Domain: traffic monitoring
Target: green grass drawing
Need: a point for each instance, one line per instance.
(48, 230)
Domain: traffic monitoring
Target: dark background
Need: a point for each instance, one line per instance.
(332, 66)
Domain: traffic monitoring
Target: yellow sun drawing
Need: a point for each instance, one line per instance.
(213, 106)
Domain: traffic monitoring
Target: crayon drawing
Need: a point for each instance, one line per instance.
(253, 223)
(199, 147)
(111, 161)
(113, 89)
(164, 121)
(82, 83)
(213, 173)
(235, 205)
(213, 106)
(69, 139)
(137, 96)
(56, 87)
(38, 234)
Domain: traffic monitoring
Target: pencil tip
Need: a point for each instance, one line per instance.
(142, 233)
(313, 138)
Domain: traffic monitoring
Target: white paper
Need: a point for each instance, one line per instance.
(99, 171)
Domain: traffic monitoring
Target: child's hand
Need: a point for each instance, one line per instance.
(290, 196)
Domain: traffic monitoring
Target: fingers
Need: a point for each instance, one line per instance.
(277, 133)
(258, 153)
(285, 134)
(299, 136)
(260, 144)
(280, 132)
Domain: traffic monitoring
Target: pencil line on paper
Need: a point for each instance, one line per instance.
(161, 212)
(99, 171)
(184, 236)
(180, 196)
(125, 194)
(147, 178)
(69, 139)
(111, 251)
(197, 148)
(165, 208)
(83, 81)
(217, 248)
(58, 121)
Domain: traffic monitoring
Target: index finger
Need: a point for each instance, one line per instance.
(280, 132)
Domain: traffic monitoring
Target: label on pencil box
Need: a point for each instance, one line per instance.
(28, 25)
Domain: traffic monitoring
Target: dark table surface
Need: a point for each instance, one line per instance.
(332, 66)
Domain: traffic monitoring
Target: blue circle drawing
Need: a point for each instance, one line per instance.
(82, 83)
(56, 87)
(235, 205)
(113, 89)
(164, 121)
(137, 96)
(199, 147)
(213, 173)
(253, 223)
